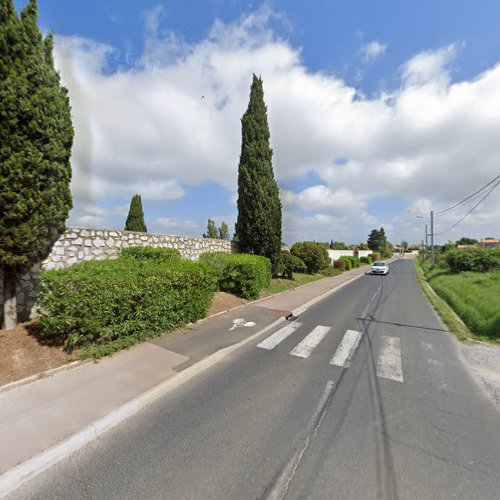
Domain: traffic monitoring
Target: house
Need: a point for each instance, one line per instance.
(490, 243)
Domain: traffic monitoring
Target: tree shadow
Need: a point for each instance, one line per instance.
(34, 330)
(418, 327)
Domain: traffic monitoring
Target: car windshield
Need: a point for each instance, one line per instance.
(379, 264)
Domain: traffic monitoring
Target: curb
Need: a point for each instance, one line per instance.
(324, 295)
(37, 376)
(17, 476)
(29, 469)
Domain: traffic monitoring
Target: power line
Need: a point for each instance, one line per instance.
(474, 207)
(472, 195)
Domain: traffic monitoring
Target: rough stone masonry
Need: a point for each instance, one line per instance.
(78, 244)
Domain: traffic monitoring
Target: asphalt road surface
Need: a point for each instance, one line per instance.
(361, 397)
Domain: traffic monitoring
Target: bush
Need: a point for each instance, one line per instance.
(291, 264)
(314, 255)
(330, 271)
(340, 264)
(347, 262)
(473, 259)
(375, 256)
(366, 260)
(109, 300)
(353, 260)
(152, 253)
(242, 274)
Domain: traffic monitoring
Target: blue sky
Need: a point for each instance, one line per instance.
(372, 107)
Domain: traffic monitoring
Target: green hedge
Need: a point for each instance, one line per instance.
(355, 262)
(341, 264)
(347, 261)
(291, 264)
(375, 256)
(314, 255)
(243, 274)
(103, 301)
(147, 252)
(365, 260)
(473, 259)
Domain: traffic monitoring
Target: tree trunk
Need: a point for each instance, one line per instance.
(9, 300)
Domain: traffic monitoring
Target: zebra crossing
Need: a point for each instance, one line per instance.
(389, 360)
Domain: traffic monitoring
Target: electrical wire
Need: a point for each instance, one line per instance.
(473, 208)
(471, 196)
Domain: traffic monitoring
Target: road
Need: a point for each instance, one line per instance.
(363, 396)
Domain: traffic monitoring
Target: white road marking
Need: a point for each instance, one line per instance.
(389, 359)
(273, 340)
(307, 346)
(240, 323)
(346, 348)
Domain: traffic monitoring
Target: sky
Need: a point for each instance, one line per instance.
(379, 111)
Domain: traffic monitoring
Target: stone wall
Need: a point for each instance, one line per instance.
(79, 244)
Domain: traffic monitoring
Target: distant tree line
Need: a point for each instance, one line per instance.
(217, 233)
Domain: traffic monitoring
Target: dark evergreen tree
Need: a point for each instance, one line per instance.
(223, 231)
(211, 230)
(374, 240)
(258, 227)
(36, 136)
(135, 218)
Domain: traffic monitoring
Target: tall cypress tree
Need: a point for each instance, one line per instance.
(374, 240)
(258, 227)
(135, 218)
(36, 136)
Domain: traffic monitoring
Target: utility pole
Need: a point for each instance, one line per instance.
(426, 243)
(432, 237)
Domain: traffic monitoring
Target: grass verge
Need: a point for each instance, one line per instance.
(467, 302)
(443, 310)
(279, 285)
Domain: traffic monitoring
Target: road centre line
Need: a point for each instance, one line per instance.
(389, 359)
(346, 348)
(273, 340)
(308, 344)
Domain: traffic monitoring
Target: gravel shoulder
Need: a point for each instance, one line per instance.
(483, 360)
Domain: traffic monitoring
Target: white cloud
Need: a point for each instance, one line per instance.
(172, 222)
(429, 67)
(147, 129)
(373, 50)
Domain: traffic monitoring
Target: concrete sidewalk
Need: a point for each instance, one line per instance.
(48, 411)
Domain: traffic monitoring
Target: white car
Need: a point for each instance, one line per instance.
(380, 268)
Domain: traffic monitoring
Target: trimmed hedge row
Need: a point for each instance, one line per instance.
(243, 274)
(147, 252)
(341, 264)
(102, 301)
(366, 260)
(353, 261)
